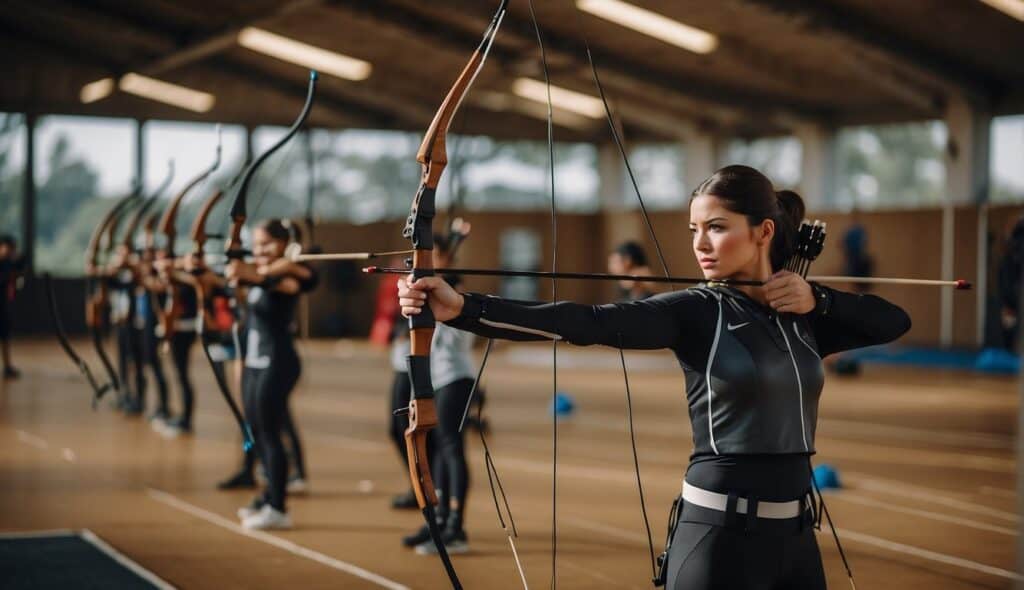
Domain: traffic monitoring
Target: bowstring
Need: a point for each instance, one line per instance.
(554, 296)
(661, 257)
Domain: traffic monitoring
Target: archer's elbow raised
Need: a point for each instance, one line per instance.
(899, 324)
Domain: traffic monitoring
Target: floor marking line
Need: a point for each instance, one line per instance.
(975, 524)
(866, 482)
(289, 546)
(124, 560)
(926, 554)
(32, 440)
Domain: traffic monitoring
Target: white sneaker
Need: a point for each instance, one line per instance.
(298, 486)
(268, 518)
(251, 510)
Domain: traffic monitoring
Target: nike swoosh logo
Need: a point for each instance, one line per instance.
(731, 327)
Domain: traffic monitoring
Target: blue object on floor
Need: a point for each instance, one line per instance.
(826, 477)
(562, 405)
(997, 360)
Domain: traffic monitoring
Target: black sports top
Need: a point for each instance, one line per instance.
(753, 376)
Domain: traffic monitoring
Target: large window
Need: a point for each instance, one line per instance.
(12, 171)
(777, 157)
(891, 165)
(1008, 159)
(659, 173)
(367, 176)
(192, 147)
(82, 164)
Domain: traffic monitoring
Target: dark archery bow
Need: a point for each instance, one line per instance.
(98, 298)
(58, 328)
(169, 313)
(234, 250)
(203, 288)
(433, 157)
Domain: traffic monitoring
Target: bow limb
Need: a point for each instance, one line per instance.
(169, 313)
(98, 298)
(200, 281)
(433, 157)
(58, 328)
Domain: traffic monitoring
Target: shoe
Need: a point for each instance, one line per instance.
(11, 373)
(133, 407)
(241, 480)
(417, 538)
(175, 428)
(406, 501)
(455, 542)
(252, 509)
(268, 518)
(298, 486)
(158, 419)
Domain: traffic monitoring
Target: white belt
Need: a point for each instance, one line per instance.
(716, 501)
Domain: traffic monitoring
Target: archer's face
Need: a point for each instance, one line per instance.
(265, 248)
(724, 243)
(619, 264)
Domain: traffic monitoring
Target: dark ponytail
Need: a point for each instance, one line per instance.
(746, 191)
(276, 229)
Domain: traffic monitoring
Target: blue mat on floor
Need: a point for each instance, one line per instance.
(62, 561)
(990, 360)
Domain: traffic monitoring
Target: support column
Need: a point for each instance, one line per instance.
(967, 182)
(817, 165)
(28, 198)
(704, 153)
(140, 154)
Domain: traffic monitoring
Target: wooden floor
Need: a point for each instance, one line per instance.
(926, 457)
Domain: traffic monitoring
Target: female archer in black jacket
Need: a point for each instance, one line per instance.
(752, 360)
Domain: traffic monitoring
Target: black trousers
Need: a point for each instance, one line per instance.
(445, 444)
(149, 347)
(265, 395)
(181, 347)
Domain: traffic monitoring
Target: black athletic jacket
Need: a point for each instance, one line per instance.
(753, 376)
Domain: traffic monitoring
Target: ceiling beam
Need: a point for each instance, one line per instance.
(704, 100)
(855, 31)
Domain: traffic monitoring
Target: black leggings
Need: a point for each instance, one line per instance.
(448, 467)
(400, 391)
(445, 444)
(265, 395)
(181, 347)
(149, 345)
(714, 550)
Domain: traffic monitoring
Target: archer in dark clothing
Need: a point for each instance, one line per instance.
(1010, 268)
(11, 267)
(752, 361)
(629, 258)
(271, 363)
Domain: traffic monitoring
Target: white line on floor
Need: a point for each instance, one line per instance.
(974, 524)
(32, 440)
(125, 561)
(289, 546)
(926, 554)
(998, 492)
(867, 482)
